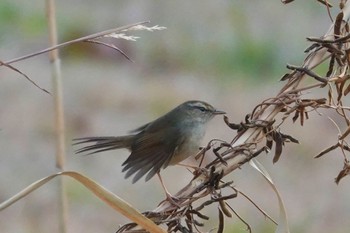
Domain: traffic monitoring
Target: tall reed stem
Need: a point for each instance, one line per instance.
(59, 114)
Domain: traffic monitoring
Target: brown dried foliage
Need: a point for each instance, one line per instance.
(260, 131)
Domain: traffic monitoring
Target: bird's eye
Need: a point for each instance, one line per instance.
(203, 109)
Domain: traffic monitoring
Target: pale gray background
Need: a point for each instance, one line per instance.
(229, 53)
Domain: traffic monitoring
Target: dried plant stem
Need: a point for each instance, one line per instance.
(264, 113)
(59, 114)
(81, 39)
(260, 130)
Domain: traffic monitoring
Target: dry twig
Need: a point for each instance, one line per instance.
(260, 130)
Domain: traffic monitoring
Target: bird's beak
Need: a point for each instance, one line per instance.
(218, 112)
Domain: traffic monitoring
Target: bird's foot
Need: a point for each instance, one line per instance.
(172, 200)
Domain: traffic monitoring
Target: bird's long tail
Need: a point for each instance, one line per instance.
(103, 143)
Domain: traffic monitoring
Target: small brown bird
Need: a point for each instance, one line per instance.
(165, 141)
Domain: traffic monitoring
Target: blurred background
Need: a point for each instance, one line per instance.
(228, 53)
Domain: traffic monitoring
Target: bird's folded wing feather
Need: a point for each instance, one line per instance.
(151, 152)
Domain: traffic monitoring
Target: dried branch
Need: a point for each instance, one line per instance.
(81, 39)
(260, 130)
(24, 75)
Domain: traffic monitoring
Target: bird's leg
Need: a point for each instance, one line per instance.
(173, 200)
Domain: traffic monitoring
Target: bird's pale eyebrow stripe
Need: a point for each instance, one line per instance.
(199, 104)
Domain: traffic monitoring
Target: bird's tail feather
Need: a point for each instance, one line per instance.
(103, 143)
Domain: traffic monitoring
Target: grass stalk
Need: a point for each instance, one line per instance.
(59, 113)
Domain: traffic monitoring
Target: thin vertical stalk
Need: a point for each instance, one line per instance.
(59, 114)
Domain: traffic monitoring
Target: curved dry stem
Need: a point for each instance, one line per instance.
(247, 143)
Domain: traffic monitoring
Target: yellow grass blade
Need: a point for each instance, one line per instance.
(105, 195)
(283, 226)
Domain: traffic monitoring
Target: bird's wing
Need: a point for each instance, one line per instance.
(151, 152)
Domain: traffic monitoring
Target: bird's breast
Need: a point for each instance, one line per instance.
(190, 145)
